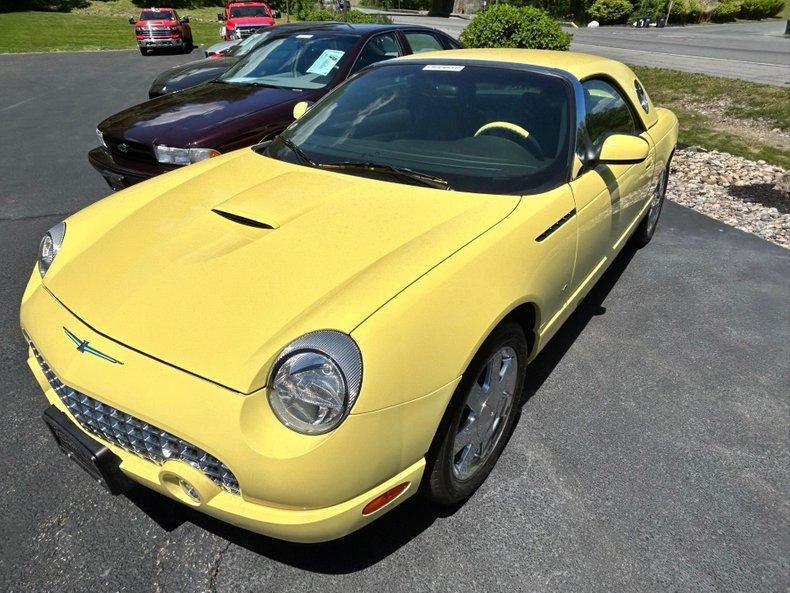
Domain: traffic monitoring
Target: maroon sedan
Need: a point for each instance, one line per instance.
(251, 102)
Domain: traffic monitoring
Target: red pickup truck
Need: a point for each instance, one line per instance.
(160, 28)
(243, 17)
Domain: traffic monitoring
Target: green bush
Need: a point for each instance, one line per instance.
(609, 12)
(354, 16)
(503, 25)
(726, 12)
(48, 5)
(393, 4)
(760, 9)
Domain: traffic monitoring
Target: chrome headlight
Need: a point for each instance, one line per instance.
(183, 156)
(100, 136)
(315, 381)
(49, 247)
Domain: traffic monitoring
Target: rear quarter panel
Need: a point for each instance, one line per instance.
(665, 136)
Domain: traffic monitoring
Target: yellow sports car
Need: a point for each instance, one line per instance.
(298, 336)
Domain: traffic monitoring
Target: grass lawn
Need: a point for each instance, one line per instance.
(733, 116)
(63, 31)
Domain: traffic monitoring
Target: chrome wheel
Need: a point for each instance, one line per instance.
(657, 203)
(484, 416)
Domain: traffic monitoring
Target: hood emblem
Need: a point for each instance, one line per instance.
(82, 346)
(123, 147)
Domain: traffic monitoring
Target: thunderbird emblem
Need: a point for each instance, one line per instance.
(123, 147)
(83, 346)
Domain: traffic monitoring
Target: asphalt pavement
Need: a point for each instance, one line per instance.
(652, 454)
(756, 51)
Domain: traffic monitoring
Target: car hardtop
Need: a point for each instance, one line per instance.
(576, 67)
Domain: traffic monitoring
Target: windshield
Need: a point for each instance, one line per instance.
(303, 61)
(156, 15)
(244, 47)
(476, 128)
(247, 11)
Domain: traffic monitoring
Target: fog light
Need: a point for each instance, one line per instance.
(189, 490)
(384, 499)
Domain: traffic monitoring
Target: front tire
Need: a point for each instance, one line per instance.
(647, 228)
(479, 418)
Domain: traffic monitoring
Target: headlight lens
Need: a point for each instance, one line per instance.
(100, 136)
(49, 247)
(183, 156)
(315, 382)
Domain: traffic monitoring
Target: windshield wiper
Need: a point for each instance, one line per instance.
(399, 172)
(296, 150)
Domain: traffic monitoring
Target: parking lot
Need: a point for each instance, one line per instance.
(651, 455)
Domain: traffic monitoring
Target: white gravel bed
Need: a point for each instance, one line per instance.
(751, 196)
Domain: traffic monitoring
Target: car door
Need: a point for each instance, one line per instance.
(608, 197)
(380, 47)
(610, 112)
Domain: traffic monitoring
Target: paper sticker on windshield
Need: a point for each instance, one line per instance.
(443, 68)
(304, 36)
(326, 61)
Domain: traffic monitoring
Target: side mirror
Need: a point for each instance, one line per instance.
(278, 14)
(623, 149)
(220, 16)
(301, 108)
(132, 21)
(185, 20)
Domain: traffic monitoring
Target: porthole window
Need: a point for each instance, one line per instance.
(642, 96)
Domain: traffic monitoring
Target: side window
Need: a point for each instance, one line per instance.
(421, 41)
(607, 111)
(378, 48)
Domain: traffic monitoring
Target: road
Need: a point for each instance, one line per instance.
(652, 454)
(758, 52)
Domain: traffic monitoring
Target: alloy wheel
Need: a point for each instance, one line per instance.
(486, 409)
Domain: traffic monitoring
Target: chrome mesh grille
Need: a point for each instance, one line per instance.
(134, 435)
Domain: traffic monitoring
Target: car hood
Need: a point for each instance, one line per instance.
(195, 114)
(183, 76)
(216, 267)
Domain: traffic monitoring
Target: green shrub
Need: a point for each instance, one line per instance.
(609, 12)
(392, 4)
(503, 25)
(48, 5)
(354, 16)
(726, 12)
(760, 9)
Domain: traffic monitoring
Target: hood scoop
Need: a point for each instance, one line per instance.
(258, 224)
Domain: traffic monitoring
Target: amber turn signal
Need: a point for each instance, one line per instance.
(384, 499)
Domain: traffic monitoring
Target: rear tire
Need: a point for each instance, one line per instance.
(482, 411)
(647, 228)
(143, 51)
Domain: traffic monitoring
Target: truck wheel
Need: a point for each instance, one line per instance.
(143, 51)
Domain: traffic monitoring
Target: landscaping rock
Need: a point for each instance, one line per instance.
(751, 196)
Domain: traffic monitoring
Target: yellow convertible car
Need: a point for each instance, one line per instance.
(296, 337)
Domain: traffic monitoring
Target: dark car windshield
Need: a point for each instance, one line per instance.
(247, 11)
(156, 15)
(244, 47)
(301, 61)
(477, 128)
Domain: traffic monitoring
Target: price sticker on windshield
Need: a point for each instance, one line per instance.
(304, 36)
(326, 61)
(443, 68)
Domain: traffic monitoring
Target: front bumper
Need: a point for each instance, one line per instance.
(122, 174)
(154, 43)
(291, 486)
